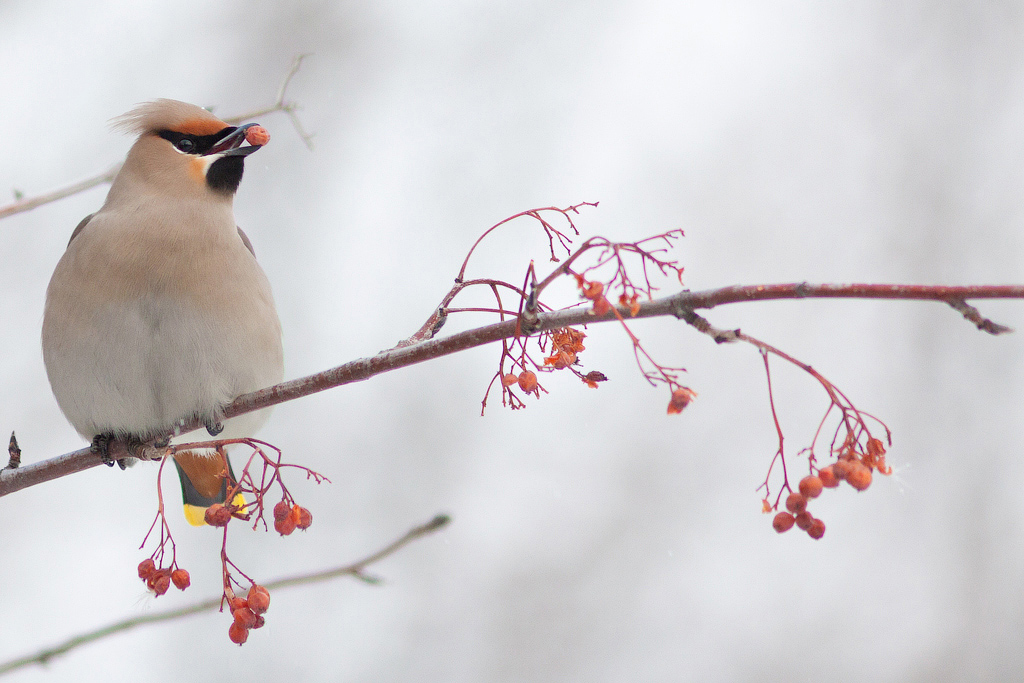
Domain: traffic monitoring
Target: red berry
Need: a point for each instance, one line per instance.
(281, 510)
(146, 569)
(817, 529)
(217, 515)
(257, 136)
(259, 621)
(305, 519)
(181, 579)
(244, 617)
(237, 634)
(527, 381)
(796, 502)
(859, 477)
(509, 379)
(804, 520)
(161, 583)
(828, 477)
(285, 526)
(810, 487)
(783, 522)
(258, 599)
(237, 603)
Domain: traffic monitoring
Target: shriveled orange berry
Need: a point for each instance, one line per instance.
(810, 487)
(258, 599)
(237, 634)
(859, 477)
(304, 519)
(527, 381)
(592, 290)
(804, 520)
(146, 568)
(681, 397)
(601, 306)
(817, 529)
(783, 522)
(284, 526)
(795, 502)
(237, 602)
(259, 621)
(509, 379)
(181, 579)
(257, 135)
(828, 477)
(244, 617)
(217, 515)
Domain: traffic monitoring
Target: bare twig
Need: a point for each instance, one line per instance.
(355, 569)
(680, 305)
(289, 108)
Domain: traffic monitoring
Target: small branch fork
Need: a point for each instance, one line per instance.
(289, 108)
(355, 569)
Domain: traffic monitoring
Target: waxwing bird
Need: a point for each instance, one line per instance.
(158, 312)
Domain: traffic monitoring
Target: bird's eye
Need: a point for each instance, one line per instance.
(185, 145)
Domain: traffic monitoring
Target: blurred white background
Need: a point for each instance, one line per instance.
(594, 538)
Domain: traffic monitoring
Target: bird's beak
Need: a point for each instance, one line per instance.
(230, 144)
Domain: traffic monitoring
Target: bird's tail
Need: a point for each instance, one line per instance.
(205, 480)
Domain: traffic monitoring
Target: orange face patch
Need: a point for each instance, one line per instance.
(197, 169)
(201, 126)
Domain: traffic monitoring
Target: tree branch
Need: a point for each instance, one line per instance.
(289, 108)
(680, 305)
(354, 569)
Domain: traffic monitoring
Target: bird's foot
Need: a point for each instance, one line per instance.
(214, 426)
(101, 446)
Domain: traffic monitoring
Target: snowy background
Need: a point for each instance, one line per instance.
(594, 538)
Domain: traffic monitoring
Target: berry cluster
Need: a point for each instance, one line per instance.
(852, 467)
(159, 580)
(247, 613)
(288, 518)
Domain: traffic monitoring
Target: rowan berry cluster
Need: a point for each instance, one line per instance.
(247, 613)
(852, 467)
(159, 580)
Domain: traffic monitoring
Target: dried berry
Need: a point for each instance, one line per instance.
(783, 522)
(282, 510)
(601, 306)
(804, 520)
(257, 135)
(592, 290)
(237, 634)
(817, 529)
(859, 477)
(681, 397)
(259, 622)
(810, 487)
(237, 602)
(258, 599)
(146, 569)
(161, 582)
(796, 503)
(509, 379)
(284, 526)
(181, 579)
(217, 515)
(527, 381)
(304, 519)
(244, 617)
(828, 477)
